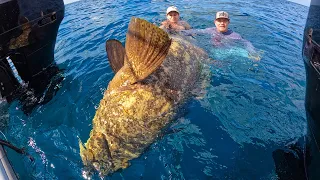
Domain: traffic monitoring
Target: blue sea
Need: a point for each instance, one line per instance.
(250, 108)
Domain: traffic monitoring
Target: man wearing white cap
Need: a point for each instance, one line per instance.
(222, 35)
(173, 21)
(222, 21)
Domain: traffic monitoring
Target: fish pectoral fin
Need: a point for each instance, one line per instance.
(116, 54)
(146, 47)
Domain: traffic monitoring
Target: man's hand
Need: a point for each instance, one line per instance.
(170, 25)
(166, 24)
(254, 55)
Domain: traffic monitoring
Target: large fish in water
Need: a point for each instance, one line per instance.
(154, 75)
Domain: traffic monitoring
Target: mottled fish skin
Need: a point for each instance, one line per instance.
(181, 68)
(129, 120)
(22, 39)
(130, 117)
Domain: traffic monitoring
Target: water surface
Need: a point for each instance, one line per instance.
(250, 109)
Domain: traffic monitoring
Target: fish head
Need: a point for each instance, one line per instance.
(127, 121)
(95, 154)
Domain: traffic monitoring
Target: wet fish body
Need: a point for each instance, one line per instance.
(154, 74)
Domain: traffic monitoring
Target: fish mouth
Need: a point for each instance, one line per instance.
(107, 168)
(92, 152)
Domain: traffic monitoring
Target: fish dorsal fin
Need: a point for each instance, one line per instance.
(146, 47)
(116, 54)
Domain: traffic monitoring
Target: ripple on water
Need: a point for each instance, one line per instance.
(250, 109)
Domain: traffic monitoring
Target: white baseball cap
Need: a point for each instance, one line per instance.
(222, 14)
(172, 9)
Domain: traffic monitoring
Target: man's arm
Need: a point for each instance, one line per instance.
(185, 25)
(164, 25)
(252, 53)
(172, 26)
(246, 43)
(191, 32)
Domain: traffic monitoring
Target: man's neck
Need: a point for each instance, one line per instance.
(223, 32)
(174, 22)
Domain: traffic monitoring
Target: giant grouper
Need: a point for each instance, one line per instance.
(154, 74)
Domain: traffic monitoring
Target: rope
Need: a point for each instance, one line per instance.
(4, 135)
(18, 150)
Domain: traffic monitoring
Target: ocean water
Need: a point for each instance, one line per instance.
(250, 109)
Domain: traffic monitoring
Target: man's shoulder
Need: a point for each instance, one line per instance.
(182, 22)
(185, 24)
(164, 22)
(233, 34)
(211, 28)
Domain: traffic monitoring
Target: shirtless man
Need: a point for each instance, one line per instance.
(173, 21)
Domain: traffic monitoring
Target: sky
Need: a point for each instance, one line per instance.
(69, 1)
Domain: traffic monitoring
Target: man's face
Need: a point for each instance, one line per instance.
(222, 24)
(173, 16)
